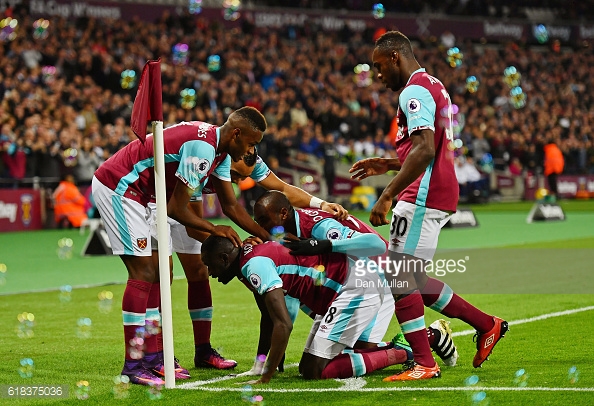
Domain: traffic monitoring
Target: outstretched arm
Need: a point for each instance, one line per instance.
(300, 198)
(282, 327)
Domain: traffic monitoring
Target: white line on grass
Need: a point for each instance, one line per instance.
(531, 319)
(404, 389)
(200, 384)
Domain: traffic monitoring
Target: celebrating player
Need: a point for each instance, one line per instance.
(122, 188)
(348, 302)
(273, 209)
(427, 193)
(186, 243)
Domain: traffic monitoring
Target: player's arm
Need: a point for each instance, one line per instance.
(177, 209)
(374, 166)
(331, 236)
(281, 330)
(235, 211)
(300, 198)
(196, 208)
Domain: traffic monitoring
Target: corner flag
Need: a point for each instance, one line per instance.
(148, 105)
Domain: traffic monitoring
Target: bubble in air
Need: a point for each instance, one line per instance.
(26, 368)
(65, 295)
(121, 387)
(521, 378)
(83, 327)
(82, 390)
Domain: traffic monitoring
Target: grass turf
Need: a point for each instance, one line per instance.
(546, 349)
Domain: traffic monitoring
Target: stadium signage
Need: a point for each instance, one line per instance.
(563, 33)
(586, 32)
(75, 9)
(20, 210)
(545, 212)
(464, 217)
(503, 30)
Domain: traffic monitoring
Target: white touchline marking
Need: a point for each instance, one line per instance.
(356, 388)
(403, 389)
(531, 319)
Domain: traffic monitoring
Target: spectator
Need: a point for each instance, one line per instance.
(553, 164)
(69, 204)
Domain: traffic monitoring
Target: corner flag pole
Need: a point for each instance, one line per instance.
(148, 106)
(163, 239)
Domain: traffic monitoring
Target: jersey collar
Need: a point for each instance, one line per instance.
(412, 74)
(297, 224)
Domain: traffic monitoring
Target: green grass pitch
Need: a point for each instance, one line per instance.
(535, 275)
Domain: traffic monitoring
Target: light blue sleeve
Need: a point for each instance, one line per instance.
(348, 241)
(262, 275)
(261, 171)
(292, 306)
(223, 170)
(419, 107)
(196, 157)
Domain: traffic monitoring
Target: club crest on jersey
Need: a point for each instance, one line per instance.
(255, 281)
(413, 105)
(333, 234)
(142, 242)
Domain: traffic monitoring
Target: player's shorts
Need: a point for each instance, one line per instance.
(414, 230)
(127, 222)
(355, 308)
(179, 240)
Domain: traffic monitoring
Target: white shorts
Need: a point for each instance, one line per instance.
(355, 308)
(126, 221)
(414, 230)
(179, 239)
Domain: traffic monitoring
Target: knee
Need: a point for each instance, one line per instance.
(197, 273)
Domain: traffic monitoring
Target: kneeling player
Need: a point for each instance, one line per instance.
(348, 301)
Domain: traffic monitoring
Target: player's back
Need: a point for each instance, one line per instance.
(315, 280)
(424, 103)
(130, 171)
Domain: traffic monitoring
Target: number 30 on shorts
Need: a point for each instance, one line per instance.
(398, 226)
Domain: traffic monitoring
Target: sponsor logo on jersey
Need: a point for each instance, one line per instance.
(413, 105)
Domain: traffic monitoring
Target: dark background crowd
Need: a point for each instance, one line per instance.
(302, 79)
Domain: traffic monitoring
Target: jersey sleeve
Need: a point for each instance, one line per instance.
(261, 274)
(223, 170)
(346, 240)
(419, 107)
(196, 157)
(261, 171)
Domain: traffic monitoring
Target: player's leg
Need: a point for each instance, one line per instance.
(128, 230)
(400, 270)
(438, 296)
(345, 321)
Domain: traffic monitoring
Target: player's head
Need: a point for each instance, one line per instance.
(243, 168)
(220, 256)
(391, 56)
(247, 126)
(273, 209)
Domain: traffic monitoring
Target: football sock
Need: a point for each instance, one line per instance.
(410, 314)
(440, 297)
(356, 363)
(133, 313)
(153, 342)
(200, 308)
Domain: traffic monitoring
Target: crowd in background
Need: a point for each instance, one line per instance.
(302, 80)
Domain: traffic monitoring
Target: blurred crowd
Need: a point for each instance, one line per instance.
(64, 111)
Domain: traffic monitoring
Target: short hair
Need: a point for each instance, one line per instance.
(274, 200)
(250, 159)
(252, 117)
(395, 41)
(215, 245)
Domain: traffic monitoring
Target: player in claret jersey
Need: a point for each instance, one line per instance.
(122, 188)
(427, 193)
(348, 236)
(347, 299)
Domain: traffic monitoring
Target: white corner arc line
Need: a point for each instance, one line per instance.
(531, 319)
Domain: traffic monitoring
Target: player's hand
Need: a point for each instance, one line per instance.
(308, 246)
(257, 368)
(379, 212)
(368, 167)
(252, 240)
(227, 232)
(336, 209)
